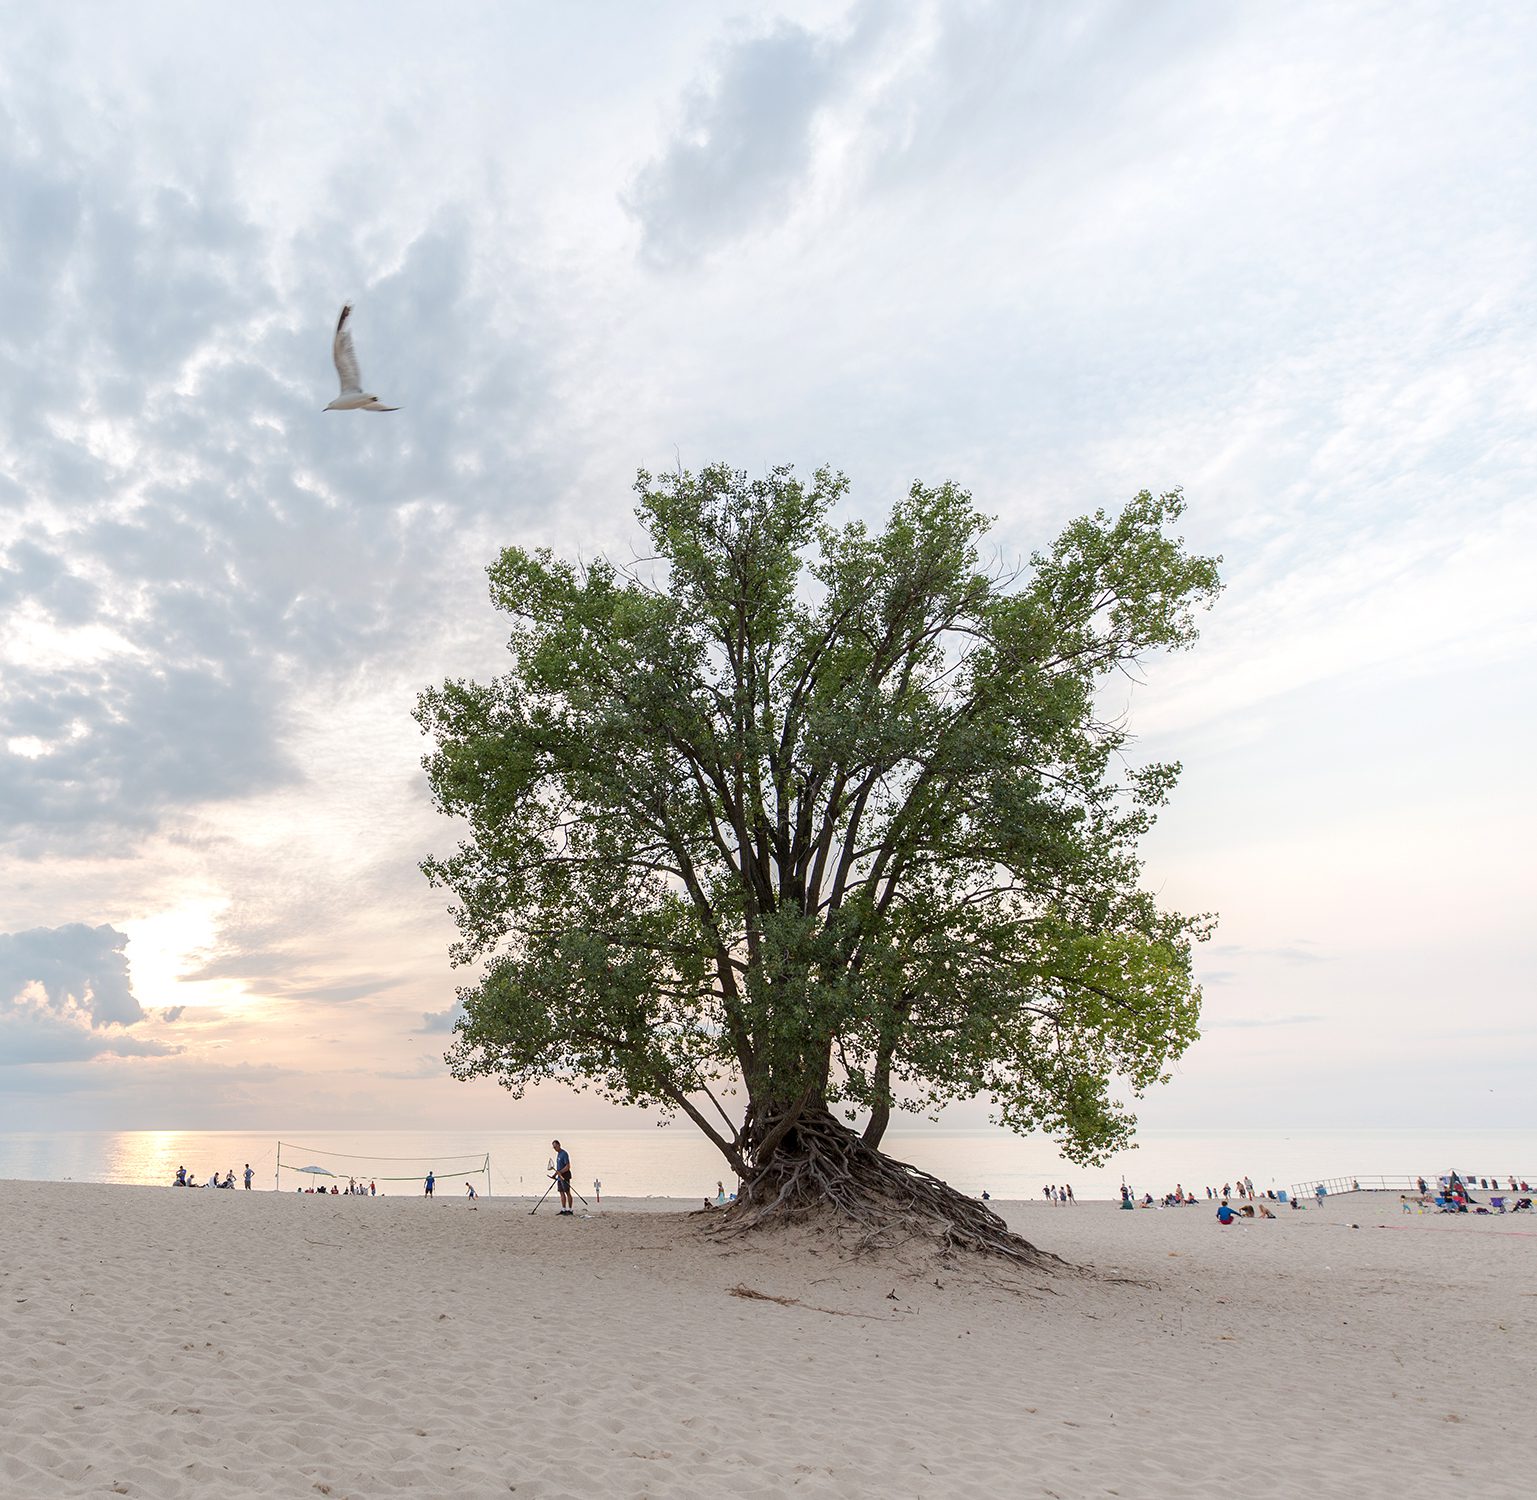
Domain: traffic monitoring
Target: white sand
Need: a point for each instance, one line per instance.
(174, 1344)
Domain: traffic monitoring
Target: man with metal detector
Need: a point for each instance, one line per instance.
(562, 1176)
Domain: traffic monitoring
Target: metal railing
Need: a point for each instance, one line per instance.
(1333, 1186)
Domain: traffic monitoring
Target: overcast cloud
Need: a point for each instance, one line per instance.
(1283, 258)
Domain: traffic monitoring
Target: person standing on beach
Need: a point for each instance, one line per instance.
(431, 1181)
(563, 1176)
(249, 1174)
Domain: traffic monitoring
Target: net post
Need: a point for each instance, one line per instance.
(277, 1171)
(488, 1174)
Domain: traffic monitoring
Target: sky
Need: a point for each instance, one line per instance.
(1283, 257)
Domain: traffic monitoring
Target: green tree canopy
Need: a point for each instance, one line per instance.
(823, 815)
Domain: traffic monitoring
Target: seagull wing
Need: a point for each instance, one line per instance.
(345, 356)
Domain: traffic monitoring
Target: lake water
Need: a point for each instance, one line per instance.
(675, 1163)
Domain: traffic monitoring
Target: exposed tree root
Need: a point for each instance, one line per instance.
(820, 1171)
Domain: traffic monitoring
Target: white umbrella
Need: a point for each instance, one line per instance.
(318, 1171)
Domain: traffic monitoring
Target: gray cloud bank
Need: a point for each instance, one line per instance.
(65, 995)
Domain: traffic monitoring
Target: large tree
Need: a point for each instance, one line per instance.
(797, 822)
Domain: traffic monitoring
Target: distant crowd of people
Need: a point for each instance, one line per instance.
(1183, 1197)
(184, 1178)
(354, 1187)
(1453, 1195)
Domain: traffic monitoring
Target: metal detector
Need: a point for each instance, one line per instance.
(549, 1167)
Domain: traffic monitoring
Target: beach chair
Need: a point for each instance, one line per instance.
(1497, 1204)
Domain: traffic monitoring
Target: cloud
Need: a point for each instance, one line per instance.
(1248, 1022)
(44, 1038)
(1289, 953)
(189, 548)
(743, 145)
(430, 1066)
(435, 1021)
(342, 990)
(73, 971)
(65, 995)
(156, 1092)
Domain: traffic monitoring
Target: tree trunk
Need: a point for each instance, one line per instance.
(805, 1164)
(875, 1128)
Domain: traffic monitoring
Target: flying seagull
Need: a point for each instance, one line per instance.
(353, 396)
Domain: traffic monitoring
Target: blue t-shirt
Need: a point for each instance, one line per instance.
(1225, 1214)
(562, 1163)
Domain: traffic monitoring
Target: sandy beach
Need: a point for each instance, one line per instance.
(171, 1344)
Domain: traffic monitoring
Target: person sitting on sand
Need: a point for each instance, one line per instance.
(181, 1177)
(1265, 1213)
(1225, 1215)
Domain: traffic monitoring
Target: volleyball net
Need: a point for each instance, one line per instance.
(304, 1167)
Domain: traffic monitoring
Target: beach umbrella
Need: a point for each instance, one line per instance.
(318, 1171)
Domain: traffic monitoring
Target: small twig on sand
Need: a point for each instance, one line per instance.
(755, 1296)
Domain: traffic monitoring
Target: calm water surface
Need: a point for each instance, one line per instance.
(675, 1163)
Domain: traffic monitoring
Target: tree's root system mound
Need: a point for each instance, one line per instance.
(822, 1175)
